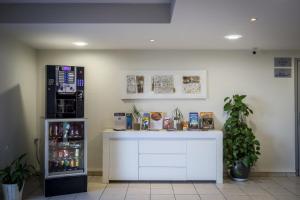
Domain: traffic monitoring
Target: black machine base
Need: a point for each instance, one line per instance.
(65, 185)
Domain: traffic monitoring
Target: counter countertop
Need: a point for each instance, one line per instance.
(162, 133)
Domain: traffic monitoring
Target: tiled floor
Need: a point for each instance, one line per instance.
(268, 188)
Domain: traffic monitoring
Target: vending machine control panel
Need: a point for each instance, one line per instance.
(66, 79)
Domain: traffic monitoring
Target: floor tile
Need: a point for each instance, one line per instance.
(162, 191)
(286, 197)
(252, 190)
(117, 185)
(139, 185)
(232, 191)
(36, 195)
(115, 190)
(295, 189)
(238, 197)
(89, 195)
(113, 196)
(206, 188)
(262, 197)
(257, 188)
(97, 179)
(92, 187)
(232, 185)
(185, 188)
(40, 197)
(140, 191)
(212, 197)
(187, 197)
(162, 197)
(137, 197)
(277, 190)
(161, 185)
(64, 197)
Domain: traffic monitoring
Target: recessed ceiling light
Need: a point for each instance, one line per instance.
(79, 43)
(233, 37)
(152, 40)
(253, 19)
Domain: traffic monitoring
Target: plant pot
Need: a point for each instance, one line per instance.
(239, 172)
(136, 126)
(11, 192)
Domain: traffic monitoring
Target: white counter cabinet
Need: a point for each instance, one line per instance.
(163, 155)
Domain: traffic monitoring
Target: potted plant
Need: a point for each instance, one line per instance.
(137, 116)
(13, 178)
(241, 148)
(178, 118)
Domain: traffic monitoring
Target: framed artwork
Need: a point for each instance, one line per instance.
(164, 84)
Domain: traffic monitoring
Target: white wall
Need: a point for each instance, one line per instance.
(18, 95)
(229, 72)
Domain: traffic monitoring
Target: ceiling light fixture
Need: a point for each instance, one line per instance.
(80, 44)
(152, 40)
(253, 19)
(233, 37)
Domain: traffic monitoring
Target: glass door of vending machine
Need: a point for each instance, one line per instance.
(65, 148)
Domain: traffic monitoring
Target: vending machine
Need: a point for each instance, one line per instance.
(65, 152)
(65, 156)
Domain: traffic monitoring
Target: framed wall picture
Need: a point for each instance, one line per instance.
(164, 84)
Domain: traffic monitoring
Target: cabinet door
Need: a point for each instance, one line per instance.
(123, 160)
(201, 159)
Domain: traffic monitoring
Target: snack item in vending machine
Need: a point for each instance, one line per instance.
(76, 162)
(62, 163)
(60, 154)
(72, 163)
(76, 152)
(67, 163)
(66, 153)
(54, 155)
(56, 131)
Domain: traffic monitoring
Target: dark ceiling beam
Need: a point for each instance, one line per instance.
(85, 13)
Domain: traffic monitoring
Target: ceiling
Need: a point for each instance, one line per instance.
(85, 1)
(195, 24)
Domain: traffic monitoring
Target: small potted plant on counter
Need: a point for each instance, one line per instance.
(13, 178)
(241, 148)
(137, 116)
(178, 119)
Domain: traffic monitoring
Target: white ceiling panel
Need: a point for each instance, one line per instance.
(85, 1)
(196, 24)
